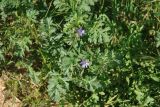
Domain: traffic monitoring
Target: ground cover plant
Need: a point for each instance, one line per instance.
(81, 53)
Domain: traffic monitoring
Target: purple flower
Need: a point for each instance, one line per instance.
(84, 64)
(81, 32)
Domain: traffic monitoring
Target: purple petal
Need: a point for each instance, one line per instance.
(84, 64)
(81, 32)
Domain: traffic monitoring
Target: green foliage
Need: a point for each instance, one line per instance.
(47, 41)
(57, 87)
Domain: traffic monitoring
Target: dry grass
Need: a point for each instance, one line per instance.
(7, 101)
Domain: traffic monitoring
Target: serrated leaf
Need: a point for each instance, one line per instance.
(32, 14)
(34, 75)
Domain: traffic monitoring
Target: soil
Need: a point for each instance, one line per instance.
(7, 102)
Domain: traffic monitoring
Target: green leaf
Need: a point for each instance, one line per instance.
(139, 96)
(32, 14)
(158, 39)
(34, 75)
(148, 100)
(57, 87)
(1, 56)
(95, 97)
(155, 78)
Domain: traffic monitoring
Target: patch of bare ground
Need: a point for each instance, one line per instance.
(7, 101)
